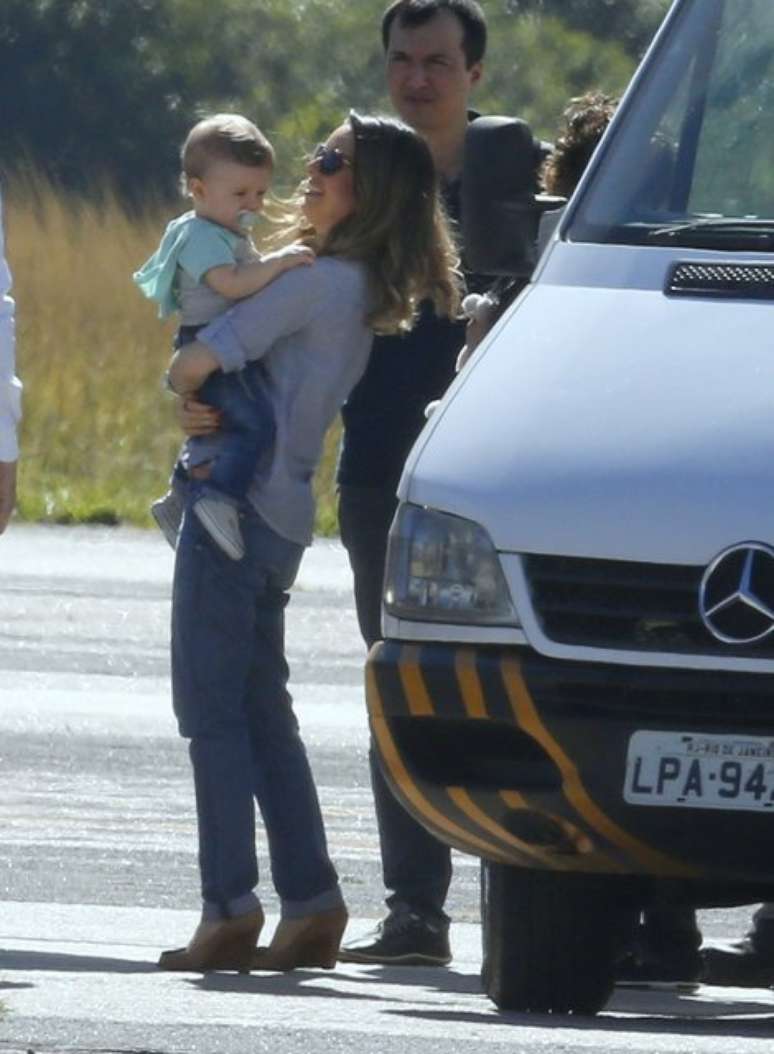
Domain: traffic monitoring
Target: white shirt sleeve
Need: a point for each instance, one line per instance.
(10, 386)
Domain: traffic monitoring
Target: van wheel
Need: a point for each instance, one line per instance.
(552, 939)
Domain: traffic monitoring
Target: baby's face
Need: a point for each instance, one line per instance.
(227, 190)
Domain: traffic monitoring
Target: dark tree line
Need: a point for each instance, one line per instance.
(629, 22)
(100, 92)
(95, 90)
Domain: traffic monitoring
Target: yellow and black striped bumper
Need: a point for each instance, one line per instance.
(491, 756)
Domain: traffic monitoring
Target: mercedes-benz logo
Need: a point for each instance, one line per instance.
(736, 596)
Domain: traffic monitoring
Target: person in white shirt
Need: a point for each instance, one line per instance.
(10, 392)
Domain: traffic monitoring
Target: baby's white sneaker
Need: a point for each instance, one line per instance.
(220, 520)
(168, 514)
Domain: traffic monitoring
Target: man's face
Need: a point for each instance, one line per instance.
(428, 80)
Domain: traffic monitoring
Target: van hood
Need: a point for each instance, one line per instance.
(616, 424)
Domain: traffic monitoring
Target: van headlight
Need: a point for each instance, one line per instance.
(445, 569)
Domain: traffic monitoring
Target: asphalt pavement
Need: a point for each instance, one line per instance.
(98, 850)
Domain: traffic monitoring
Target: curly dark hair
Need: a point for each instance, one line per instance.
(583, 122)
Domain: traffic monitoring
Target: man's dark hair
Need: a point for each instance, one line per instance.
(417, 12)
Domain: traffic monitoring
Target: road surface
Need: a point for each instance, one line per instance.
(98, 854)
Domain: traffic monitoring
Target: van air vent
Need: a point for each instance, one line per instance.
(734, 281)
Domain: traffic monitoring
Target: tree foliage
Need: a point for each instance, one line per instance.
(99, 91)
(95, 89)
(629, 22)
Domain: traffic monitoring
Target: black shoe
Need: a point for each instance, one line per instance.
(404, 938)
(738, 964)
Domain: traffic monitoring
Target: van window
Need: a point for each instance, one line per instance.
(691, 159)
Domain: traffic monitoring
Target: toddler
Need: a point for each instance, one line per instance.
(205, 262)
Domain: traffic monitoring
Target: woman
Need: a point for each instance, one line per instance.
(370, 211)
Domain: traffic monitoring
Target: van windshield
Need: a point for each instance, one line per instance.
(692, 160)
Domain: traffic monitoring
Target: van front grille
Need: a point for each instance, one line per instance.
(626, 605)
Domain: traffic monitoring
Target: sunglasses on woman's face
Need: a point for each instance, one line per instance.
(329, 159)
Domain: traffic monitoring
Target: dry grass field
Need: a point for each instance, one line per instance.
(99, 434)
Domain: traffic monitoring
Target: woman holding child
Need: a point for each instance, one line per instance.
(370, 213)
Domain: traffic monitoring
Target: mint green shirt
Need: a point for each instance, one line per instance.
(173, 276)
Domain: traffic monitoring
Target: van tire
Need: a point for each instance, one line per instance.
(551, 939)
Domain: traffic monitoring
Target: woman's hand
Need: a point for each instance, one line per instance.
(197, 419)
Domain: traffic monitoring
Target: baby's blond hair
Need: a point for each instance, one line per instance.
(224, 137)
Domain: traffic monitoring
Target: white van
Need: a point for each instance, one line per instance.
(576, 682)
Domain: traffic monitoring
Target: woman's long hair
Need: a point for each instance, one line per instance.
(398, 229)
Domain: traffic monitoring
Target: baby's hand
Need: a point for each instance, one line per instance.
(479, 310)
(296, 255)
(462, 358)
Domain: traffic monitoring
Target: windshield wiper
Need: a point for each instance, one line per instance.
(717, 230)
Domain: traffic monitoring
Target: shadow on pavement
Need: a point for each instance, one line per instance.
(61, 961)
(433, 978)
(417, 978)
(294, 983)
(706, 1002)
(701, 1013)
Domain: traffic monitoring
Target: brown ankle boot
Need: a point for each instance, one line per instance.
(225, 944)
(309, 941)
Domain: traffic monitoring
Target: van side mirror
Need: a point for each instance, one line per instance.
(500, 209)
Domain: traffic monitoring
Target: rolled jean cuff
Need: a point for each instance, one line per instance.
(299, 909)
(231, 909)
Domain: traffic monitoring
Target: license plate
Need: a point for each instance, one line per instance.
(698, 771)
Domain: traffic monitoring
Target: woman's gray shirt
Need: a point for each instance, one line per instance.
(308, 326)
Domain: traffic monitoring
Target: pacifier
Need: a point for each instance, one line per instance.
(247, 219)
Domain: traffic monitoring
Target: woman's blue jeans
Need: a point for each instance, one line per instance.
(229, 685)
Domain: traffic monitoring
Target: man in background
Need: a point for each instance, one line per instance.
(434, 52)
(10, 392)
(747, 962)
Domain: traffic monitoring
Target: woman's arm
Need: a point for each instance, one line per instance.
(251, 327)
(246, 331)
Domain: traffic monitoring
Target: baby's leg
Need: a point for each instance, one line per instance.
(247, 428)
(167, 511)
(245, 438)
